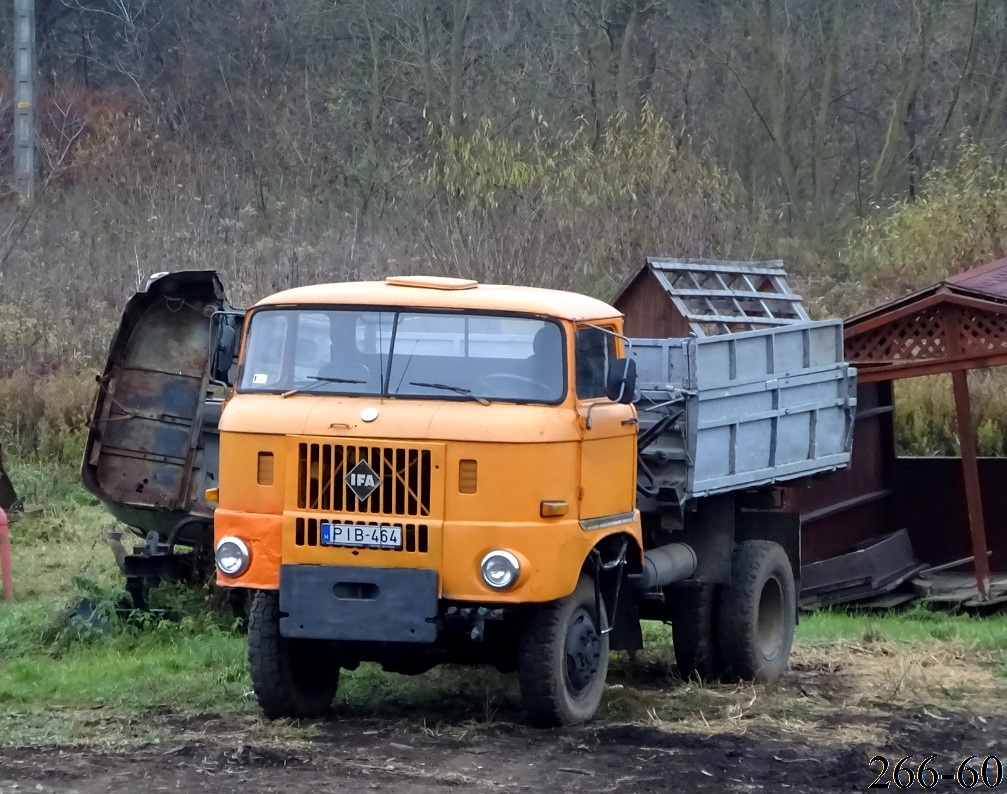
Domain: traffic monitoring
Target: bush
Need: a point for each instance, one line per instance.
(926, 421)
(43, 418)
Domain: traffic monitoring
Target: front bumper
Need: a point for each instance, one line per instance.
(339, 602)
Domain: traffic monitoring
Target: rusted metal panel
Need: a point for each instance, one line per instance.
(151, 451)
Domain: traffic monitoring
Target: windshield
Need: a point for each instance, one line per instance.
(453, 356)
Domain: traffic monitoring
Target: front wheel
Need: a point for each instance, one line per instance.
(563, 659)
(292, 677)
(758, 613)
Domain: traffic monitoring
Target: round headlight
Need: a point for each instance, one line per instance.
(500, 569)
(232, 556)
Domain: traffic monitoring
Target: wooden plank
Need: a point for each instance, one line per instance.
(710, 266)
(729, 293)
(898, 369)
(848, 504)
(748, 319)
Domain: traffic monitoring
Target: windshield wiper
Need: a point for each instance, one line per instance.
(455, 389)
(319, 379)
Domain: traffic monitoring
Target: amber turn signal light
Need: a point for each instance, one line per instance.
(551, 508)
(212, 495)
(264, 475)
(468, 476)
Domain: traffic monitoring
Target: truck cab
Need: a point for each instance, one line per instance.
(408, 467)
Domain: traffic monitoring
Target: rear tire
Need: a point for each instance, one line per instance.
(694, 631)
(292, 677)
(758, 613)
(563, 659)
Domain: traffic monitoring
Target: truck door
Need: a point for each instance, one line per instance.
(608, 450)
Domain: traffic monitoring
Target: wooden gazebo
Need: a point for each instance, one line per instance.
(952, 327)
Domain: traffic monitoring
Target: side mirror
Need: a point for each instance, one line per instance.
(621, 387)
(223, 346)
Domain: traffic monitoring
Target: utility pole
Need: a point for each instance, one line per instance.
(24, 97)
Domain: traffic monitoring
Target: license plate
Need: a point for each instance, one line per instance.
(361, 535)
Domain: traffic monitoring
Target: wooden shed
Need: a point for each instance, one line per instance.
(679, 297)
(956, 325)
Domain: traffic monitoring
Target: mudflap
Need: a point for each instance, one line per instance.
(621, 616)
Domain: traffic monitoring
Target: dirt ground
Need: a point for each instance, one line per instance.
(816, 731)
(368, 755)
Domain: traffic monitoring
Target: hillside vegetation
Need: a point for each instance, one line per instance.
(551, 142)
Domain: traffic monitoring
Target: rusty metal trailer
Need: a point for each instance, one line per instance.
(152, 445)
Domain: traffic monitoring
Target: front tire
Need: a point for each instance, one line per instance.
(758, 613)
(563, 659)
(292, 677)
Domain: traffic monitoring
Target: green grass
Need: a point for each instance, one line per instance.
(133, 678)
(917, 626)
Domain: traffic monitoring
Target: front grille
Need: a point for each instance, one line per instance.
(415, 537)
(404, 475)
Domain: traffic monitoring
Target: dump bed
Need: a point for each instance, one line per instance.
(741, 410)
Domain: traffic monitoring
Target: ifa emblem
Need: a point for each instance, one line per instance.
(362, 480)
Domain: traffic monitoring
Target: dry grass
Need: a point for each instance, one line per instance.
(836, 693)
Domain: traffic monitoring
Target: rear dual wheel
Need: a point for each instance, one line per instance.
(743, 631)
(757, 614)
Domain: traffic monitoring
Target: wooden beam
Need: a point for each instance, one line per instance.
(886, 317)
(970, 467)
(739, 294)
(714, 266)
(871, 372)
(848, 504)
(970, 470)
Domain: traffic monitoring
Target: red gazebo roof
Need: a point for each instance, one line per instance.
(958, 324)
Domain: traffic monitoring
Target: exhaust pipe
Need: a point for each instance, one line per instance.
(666, 565)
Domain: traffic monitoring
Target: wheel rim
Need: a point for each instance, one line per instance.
(582, 651)
(772, 626)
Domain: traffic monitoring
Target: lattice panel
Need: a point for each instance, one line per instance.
(722, 297)
(918, 336)
(983, 332)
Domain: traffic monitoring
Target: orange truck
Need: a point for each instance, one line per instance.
(430, 470)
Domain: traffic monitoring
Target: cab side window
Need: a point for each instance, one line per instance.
(594, 351)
